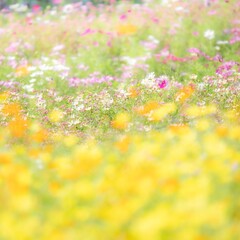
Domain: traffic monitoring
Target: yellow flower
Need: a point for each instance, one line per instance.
(70, 140)
(221, 131)
(55, 115)
(34, 152)
(4, 96)
(22, 71)
(121, 121)
(57, 136)
(231, 115)
(169, 186)
(203, 124)
(19, 149)
(196, 111)
(126, 29)
(54, 187)
(86, 158)
(161, 112)
(179, 129)
(17, 179)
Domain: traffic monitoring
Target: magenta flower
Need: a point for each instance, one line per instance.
(162, 81)
(162, 84)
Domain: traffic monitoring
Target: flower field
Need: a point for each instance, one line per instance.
(120, 121)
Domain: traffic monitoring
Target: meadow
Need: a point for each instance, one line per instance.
(120, 121)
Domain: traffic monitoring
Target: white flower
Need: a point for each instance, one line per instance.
(153, 39)
(68, 8)
(129, 60)
(193, 76)
(79, 107)
(201, 86)
(53, 12)
(165, 2)
(106, 101)
(220, 42)
(28, 87)
(32, 80)
(149, 80)
(18, 7)
(37, 73)
(179, 9)
(209, 34)
(58, 48)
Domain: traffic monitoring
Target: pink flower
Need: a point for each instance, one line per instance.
(194, 50)
(109, 43)
(29, 20)
(123, 17)
(56, 1)
(225, 70)
(212, 12)
(36, 8)
(155, 20)
(87, 31)
(195, 33)
(12, 47)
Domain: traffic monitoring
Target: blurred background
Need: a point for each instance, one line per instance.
(45, 3)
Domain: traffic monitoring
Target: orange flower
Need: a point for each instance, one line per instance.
(126, 29)
(11, 109)
(5, 158)
(169, 186)
(161, 112)
(123, 144)
(18, 127)
(133, 92)
(221, 131)
(54, 187)
(34, 153)
(40, 136)
(179, 129)
(185, 93)
(17, 179)
(147, 108)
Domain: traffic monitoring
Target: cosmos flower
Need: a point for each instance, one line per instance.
(126, 29)
(55, 115)
(22, 71)
(121, 121)
(184, 93)
(56, 1)
(209, 34)
(162, 81)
